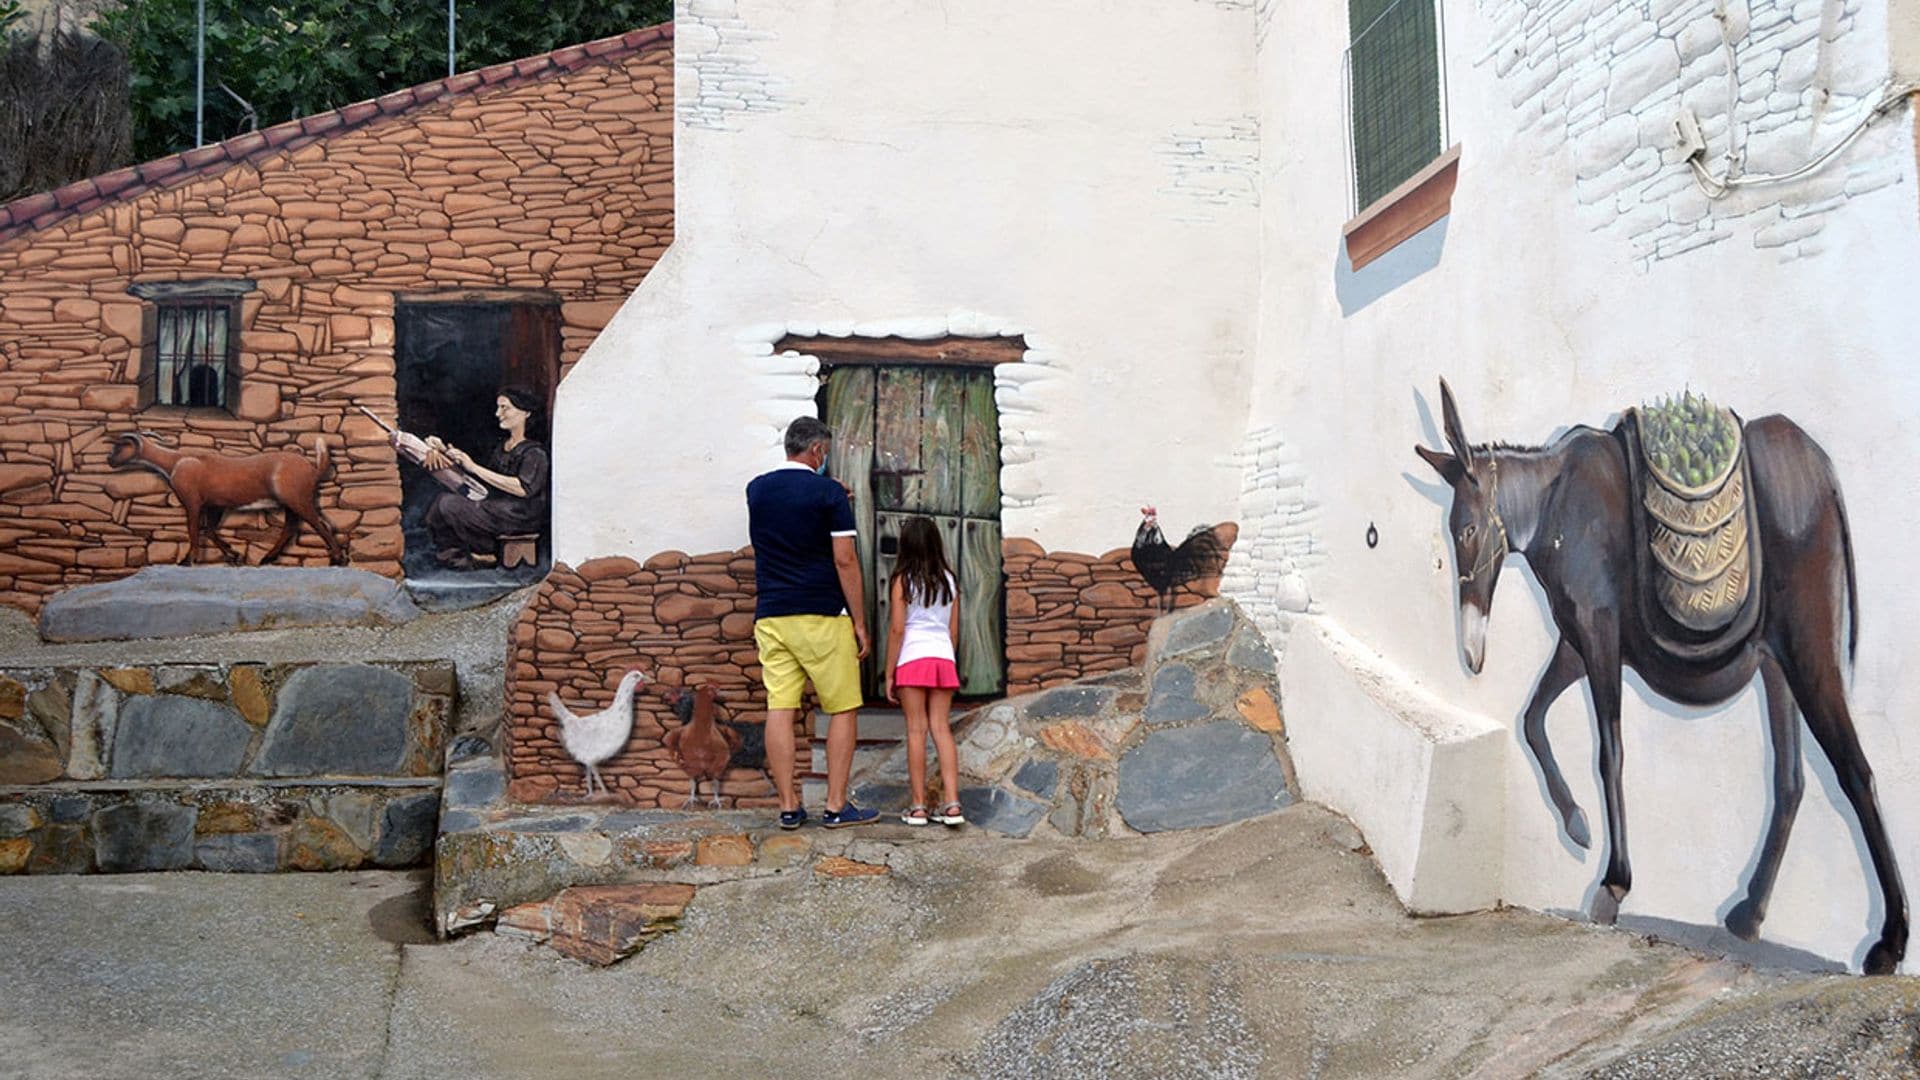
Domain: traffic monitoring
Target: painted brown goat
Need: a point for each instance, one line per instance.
(209, 485)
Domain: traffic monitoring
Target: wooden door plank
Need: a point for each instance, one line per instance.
(943, 411)
(980, 449)
(886, 526)
(849, 413)
(982, 667)
(897, 440)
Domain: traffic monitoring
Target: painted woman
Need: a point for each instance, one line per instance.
(516, 471)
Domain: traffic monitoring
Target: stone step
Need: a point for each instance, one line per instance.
(875, 724)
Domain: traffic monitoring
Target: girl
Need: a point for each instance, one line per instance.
(923, 633)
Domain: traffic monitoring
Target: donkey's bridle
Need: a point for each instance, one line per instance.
(1489, 560)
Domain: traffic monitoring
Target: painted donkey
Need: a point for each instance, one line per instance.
(1569, 509)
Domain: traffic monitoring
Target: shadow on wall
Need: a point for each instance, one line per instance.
(1412, 257)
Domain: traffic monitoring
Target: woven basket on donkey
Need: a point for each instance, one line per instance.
(1699, 536)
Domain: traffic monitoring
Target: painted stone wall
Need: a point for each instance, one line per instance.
(688, 620)
(1606, 80)
(553, 175)
(683, 620)
(1071, 615)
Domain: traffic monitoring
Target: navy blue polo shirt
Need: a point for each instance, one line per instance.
(793, 514)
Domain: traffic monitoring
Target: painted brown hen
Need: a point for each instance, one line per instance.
(703, 748)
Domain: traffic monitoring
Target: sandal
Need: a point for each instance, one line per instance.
(951, 814)
(915, 815)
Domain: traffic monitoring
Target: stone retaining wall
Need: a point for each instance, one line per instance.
(688, 619)
(231, 827)
(206, 721)
(557, 183)
(1192, 737)
(244, 766)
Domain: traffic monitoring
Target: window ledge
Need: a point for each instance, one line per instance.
(187, 412)
(1424, 198)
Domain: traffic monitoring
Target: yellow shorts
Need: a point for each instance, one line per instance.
(798, 648)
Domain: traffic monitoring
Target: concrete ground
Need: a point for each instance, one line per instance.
(1268, 948)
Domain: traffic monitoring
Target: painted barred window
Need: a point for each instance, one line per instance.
(191, 356)
(1395, 101)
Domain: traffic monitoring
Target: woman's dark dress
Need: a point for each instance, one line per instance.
(461, 524)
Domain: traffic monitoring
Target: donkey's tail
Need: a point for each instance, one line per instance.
(1853, 588)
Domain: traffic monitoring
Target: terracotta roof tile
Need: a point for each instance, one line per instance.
(49, 207)
(243, 145)
(160, 168)
(326, 121)
(33, 205)
(116, 181)
(201, 155)
(74, 194)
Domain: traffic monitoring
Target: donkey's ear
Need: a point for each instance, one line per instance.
(1446, 465)
(1450, 423)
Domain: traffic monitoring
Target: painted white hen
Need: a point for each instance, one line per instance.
(595, 738)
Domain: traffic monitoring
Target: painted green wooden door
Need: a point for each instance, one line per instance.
(919, 440)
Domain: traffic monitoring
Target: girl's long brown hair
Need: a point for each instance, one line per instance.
(922, 567)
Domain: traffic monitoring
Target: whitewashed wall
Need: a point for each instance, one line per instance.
(1082, 173)
(1580, 272)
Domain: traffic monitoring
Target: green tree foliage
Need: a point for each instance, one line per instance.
(10, 12)
(293, 58)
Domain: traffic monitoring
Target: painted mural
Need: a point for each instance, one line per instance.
(688, 619)
(1696, 549)
(329, 281)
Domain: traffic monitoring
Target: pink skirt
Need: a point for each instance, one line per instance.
(930, 672)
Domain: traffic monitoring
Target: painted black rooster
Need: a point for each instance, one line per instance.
(1197, 562)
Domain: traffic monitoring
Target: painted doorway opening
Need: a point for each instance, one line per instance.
(452, 359)
(917, 432)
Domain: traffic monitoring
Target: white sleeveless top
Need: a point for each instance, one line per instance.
(927, 634)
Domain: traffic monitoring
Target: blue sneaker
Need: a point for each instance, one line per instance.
(848, 815)
(793, 819)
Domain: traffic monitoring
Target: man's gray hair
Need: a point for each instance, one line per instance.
(804, 432)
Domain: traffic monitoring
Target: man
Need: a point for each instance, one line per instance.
(810, 620)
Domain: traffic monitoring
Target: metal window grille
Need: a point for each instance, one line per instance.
(193, 354)
(1396, 100)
